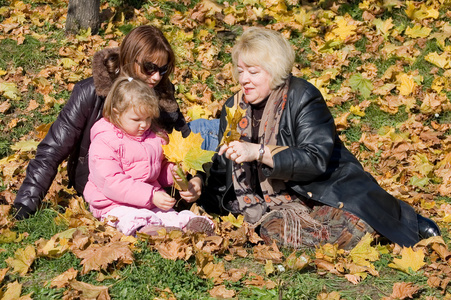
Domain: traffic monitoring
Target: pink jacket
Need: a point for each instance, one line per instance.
(124, 170)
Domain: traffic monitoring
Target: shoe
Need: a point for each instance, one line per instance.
(427, 228)
(199, 224)
(153, 230)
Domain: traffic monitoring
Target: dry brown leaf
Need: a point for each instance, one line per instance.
(329, 296)
(99, 257)
(295, 262)
(175, 249)
(234, 275)
(266, 252)
(89, 291)
(64, 279)
(3, 273)
(206, 268)
(259, 281)
(402, 290)
(5, 106)
(221, 292)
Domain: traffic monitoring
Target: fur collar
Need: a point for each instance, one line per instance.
(102, 79)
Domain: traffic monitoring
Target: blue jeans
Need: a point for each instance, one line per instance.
(208, 129)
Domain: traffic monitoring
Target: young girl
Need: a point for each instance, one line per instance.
(128, 170)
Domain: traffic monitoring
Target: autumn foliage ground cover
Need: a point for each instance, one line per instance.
(384, 69)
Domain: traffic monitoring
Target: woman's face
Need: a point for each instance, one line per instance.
(254, 81)
(152, 70)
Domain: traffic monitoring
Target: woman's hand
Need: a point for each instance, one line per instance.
(194, 190)
(241, 152)
(163, 201)
(190, 190)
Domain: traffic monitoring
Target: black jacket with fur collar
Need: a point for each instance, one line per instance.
(69, 136)
(317, 166)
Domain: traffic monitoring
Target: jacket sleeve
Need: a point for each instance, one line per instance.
(107, 174)
(307, 137)
(60, 141)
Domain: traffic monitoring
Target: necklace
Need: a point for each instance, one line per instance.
(255, 122)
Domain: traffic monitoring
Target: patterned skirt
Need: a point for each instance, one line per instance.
(291, 225)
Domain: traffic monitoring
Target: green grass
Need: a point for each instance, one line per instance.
(376, 118)
(27, 55)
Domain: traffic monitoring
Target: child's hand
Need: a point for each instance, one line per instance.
(163, 201)
(192, 193)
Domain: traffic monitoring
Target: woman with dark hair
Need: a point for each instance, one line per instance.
(289, 174)
(144, 54)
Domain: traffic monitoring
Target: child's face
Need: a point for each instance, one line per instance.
(134, 124)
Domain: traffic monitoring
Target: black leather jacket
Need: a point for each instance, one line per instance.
(317, 166)
(69, 137)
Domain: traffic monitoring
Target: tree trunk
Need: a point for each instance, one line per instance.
(83, 14)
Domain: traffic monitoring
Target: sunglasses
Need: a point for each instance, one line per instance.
(149, 68)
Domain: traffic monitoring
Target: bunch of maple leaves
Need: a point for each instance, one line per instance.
(414, 158)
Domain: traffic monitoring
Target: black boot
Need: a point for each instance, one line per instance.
(427, 228)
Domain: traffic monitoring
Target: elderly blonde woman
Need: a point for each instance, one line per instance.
(290, 174)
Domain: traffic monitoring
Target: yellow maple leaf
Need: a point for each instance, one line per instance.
(25, 146)
(344, 30)
(410, 260)
(187, 152)
(406, 84)
(384, 26)
(196, 112)
(418, 31)
(269, 267)
(420, 13)
(235, 221)
(13, 291)
(67, 63)
(9, 90)
(355, 110)
(234, 116)
(363, 253)
(328, 252)
(439, 83)
(440, 60)
(23, 258)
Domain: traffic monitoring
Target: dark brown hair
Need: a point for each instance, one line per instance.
(147, 42)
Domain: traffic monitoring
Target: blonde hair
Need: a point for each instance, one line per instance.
(130, 93)
(267, 49)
